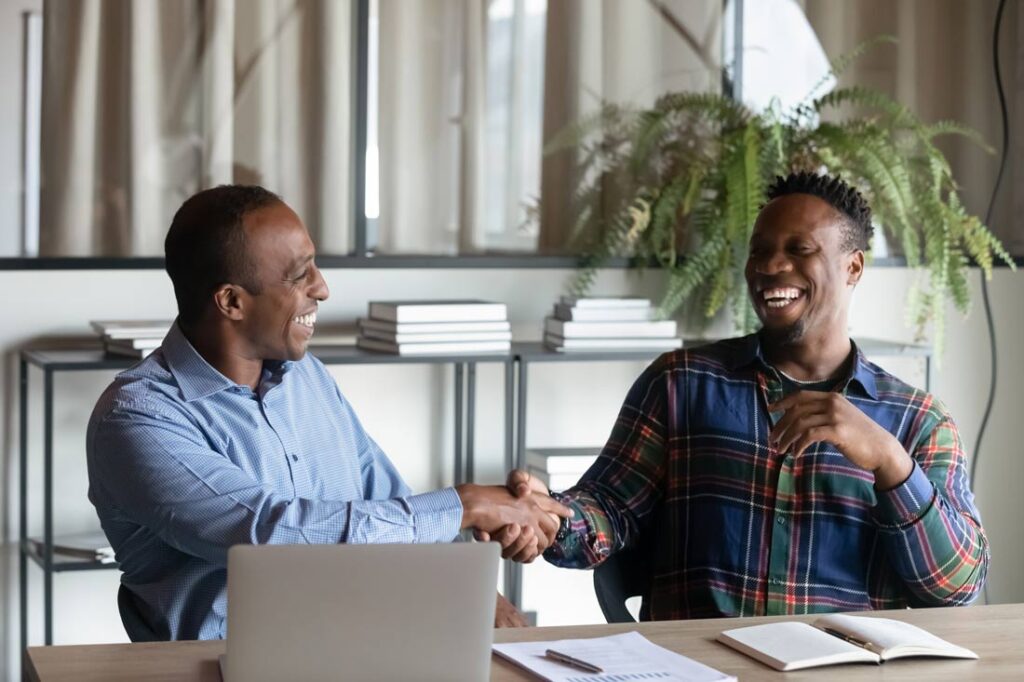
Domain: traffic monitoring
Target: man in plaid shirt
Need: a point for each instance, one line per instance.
(782, 472)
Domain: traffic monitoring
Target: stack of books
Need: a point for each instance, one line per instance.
(134, 338)
(92, 546)
(560, 468)
(436, 327)
(608, 323)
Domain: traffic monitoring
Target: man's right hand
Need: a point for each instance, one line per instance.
(525, 524)
(516, 543)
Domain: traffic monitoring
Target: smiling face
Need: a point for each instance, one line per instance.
(798, 275)
(278, 322)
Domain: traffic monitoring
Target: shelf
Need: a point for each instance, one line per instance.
(63, 563)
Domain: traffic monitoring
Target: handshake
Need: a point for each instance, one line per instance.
(521, 515)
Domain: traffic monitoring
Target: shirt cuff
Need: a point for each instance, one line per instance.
(906, 503)
(437, 515)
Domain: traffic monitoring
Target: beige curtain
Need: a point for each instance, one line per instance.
(623, 52)
(147, 101)
(431, 111)
(941, 68)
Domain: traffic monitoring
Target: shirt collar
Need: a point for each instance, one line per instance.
(197, 378)
(748, 352)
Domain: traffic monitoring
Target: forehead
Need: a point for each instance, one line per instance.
(795, 215)
(276, 237)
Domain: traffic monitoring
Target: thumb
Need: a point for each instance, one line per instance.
(518, 483)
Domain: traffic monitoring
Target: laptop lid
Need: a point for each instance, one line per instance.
(361, 612)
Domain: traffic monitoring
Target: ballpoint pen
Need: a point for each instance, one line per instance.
(571, 661)
(863, 644)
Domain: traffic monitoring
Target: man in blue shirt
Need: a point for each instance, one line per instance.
(231, 434)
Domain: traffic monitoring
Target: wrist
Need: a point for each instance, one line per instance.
(894, 470)
(470, 510)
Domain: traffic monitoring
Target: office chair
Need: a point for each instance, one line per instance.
(136, 627)
(623, 575)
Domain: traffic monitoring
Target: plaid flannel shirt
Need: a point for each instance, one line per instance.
(731, 527)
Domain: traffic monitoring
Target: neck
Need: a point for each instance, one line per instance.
(815, 357)
(218, 349)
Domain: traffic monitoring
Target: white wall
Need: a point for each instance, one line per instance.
(407, 409)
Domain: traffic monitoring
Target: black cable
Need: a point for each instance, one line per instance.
(994, 368)
(988, 221)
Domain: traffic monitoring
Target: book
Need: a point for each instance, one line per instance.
(837, 638)
(91, 546)
(438, 311)
(431, 327)
(562, 344)
(561, 460)
(127, 329)
(569, 313)
(626, 656)
(605, 330)
(446, 348)
(436, 337)
(135, 343)
(605, 301)
(128, 351)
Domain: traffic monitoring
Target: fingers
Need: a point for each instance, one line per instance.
(522, 539)
(481, 535)
(799, 429)
(552, 506)
(506, 536)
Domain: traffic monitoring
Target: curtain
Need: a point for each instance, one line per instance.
(622, 52)
(941, 68)
(145, 102)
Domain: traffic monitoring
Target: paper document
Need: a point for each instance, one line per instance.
(626, 657)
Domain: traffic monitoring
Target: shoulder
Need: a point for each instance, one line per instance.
(893, 391)
(146, 387)
(716, 358)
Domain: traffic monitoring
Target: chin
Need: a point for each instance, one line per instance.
(785, 335)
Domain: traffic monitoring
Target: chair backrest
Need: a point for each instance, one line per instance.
(137, 628)
(623, 575)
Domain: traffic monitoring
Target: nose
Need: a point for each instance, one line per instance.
(319, 290)
(772, 263)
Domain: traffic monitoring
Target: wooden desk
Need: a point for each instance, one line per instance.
(995, 633)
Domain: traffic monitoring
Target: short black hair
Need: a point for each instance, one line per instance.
(844, 198)
(205, 246)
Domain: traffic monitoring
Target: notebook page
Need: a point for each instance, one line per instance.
(627, 656)
(793, 645)
(886, 634)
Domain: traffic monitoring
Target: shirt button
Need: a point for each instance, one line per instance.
(779, 520)
(295, 458)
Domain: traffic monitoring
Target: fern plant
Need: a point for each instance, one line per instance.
(680, 184)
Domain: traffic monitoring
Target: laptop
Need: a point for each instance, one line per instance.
(361, 612)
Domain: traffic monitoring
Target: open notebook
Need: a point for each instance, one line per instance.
(837, 638)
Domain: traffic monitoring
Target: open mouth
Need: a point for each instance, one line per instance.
(778, 298)
(308, 320)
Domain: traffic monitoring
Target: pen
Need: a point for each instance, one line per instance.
(852, 640)
(574, 662)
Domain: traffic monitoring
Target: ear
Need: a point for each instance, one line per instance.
(229, 300)
(855, 268)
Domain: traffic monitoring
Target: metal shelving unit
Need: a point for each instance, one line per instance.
(53, 362)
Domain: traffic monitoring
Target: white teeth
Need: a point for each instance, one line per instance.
(780, 297)
(307, 320)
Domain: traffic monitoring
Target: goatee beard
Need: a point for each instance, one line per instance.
(786, 336)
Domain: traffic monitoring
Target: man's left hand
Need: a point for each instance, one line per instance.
(814, 416)
(508, 616)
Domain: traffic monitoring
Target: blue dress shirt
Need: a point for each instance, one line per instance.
(184, 463)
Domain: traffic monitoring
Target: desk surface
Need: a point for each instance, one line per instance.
(995, 633)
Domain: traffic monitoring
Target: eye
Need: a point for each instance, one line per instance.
(302, 276)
